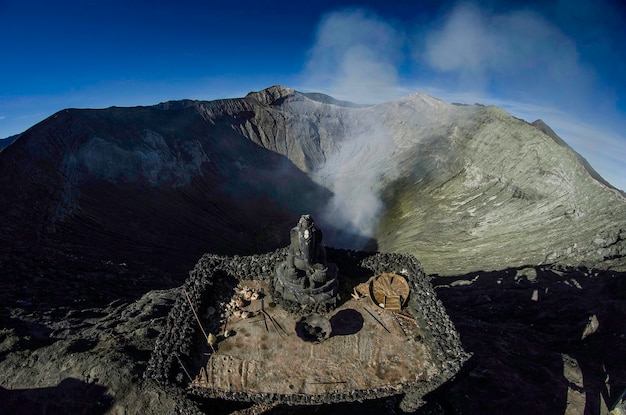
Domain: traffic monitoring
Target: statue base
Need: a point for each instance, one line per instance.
(306, 291)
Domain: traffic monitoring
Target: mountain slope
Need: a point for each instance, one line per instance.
(507, 194)
(98, 206)
(461, 187)
(146, 186)
(5, 142)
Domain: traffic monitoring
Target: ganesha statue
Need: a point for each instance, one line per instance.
(305, 277)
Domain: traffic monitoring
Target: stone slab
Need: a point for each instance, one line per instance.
(368, 349)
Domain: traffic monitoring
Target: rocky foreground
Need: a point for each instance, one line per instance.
(544, 339)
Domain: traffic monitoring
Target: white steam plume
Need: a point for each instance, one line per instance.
(517, 56)
(356, 174)
(355, 56)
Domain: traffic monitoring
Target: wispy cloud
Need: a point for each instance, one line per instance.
(355, 56)
(517, 51)
(521, 60)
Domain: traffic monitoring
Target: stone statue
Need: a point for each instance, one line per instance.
(305, 277)
(306, 253)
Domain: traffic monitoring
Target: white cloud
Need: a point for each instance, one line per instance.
(355, 56)
(517, 59)
(515, 51)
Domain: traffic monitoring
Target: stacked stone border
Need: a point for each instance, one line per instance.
(175, 345)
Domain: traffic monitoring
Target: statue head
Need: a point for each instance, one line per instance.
(308, 237)
(306, 221)
(306, 227)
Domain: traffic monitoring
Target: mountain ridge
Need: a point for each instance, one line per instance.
(399, 172)
(542, 126)
(5, 142)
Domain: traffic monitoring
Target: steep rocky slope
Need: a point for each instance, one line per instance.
(5, 142)
(150, 187)
(500, 192)
(461, 187)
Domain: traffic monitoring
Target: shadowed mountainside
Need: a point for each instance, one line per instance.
(5, 142)
(146, 186)
(461, 187)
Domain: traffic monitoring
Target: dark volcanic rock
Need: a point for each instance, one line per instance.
(85, 361)
(528, 329)
(148, 187)
(524, 327)
(5, 142)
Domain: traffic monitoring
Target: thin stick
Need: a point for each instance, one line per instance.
(377, 320)
(183, 366)
(265, 314)
(265, 322)
(263, 310)
(197, 318)
(395, 319)
(405, 317)
(277, 326)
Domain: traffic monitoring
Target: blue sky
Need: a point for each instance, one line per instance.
(561, 61)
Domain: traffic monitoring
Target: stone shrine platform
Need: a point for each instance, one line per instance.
(368, 349)
(367, 356)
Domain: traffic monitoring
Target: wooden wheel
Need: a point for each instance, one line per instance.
(389, 291)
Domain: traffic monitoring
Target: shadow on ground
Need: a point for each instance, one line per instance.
(545, 340)
(71, 396)
(17, 335)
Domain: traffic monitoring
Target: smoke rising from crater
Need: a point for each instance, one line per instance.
(356, 56)
(356, 174)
